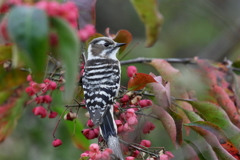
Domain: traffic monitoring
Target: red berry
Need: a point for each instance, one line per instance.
(57, 142)
(148, 126)
(39, 99)
(40, 111)
(29, 91)
(125, 98)
(47, 99)
(90, 123)
(52, 114)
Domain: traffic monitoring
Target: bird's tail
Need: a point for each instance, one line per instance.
(108, 130)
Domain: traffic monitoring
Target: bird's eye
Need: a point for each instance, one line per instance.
(106, 44)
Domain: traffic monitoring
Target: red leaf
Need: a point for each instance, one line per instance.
(227, 104)
(139, 81)
(216, 138)
(168, 122)
(123, 36)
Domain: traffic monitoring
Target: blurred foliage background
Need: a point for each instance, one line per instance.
(207, 29)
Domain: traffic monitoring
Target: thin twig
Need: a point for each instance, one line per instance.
(58, 123)
(147, 60)
(140, 149)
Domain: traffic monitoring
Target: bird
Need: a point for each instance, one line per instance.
(101, 83)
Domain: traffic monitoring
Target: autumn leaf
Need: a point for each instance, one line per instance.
(139, 81)
(216, 138)
(11, 107)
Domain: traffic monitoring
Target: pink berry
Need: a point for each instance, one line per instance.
(29, 78)
(130, 113)
(145, 143)
(39, 99)
(29, 91)
(125, 98)
(164, 157)
(83, 35)
(135, 153)
(90, 123)
(35, 87)
(57, 142)
(40, 111)
(52, 85)
(129, 158)
(52, 114)
(89, 133)
(131, 71)
(47, 99)
(90, 29)
(148, 126)
(84, 154)
(47, 81)
(132, 121)
(94, 147)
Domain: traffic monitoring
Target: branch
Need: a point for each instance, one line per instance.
(147, 60)
(138, 148)
(170, 60)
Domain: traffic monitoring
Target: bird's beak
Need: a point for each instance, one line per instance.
(120, 44)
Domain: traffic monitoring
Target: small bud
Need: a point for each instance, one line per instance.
(52, 114)
(57, 142)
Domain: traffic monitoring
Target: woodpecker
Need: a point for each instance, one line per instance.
(101, 83)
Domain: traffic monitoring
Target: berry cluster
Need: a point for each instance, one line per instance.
(69, 12)
(8, 4)
(41, 96)
(92, 132)
(95, 153)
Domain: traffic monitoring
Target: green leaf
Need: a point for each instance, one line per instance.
(68, 49)
(195, 149)
(10, 110)
(211, 134)
(218, 116)
(28, 28)
(151, 17)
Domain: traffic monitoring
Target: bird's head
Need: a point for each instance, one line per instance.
(103, 47)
